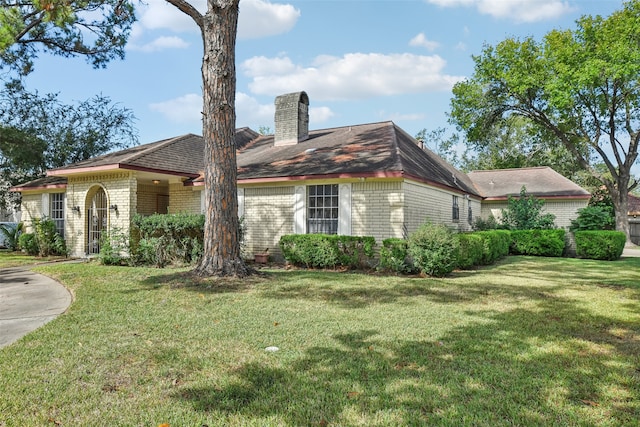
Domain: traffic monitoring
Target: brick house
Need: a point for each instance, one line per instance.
(369, 179)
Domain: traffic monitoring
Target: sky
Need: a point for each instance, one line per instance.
(359, 61)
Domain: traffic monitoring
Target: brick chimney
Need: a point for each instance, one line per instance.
(291, 119)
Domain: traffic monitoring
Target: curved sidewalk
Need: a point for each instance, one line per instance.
(28, 300)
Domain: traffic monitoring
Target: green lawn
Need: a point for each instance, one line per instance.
(17, 259)
(530, 341)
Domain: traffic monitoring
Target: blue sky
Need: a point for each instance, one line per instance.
(359, 61)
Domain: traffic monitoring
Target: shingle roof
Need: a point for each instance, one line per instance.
(376, 149)
(40, 183)
(541, 182)
(369, 150)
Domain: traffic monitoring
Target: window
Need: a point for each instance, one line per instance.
(455, 211)
(470, 214)
(56, 211)
(322, 213)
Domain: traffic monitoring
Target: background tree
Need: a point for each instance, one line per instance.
(39, 133)
(96, 29)
(581, 86)
(218, 27)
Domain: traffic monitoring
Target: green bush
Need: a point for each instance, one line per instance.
(28, 243)
(602, 245)
(538, 242)
(525, 213)
(163, 239)
(471, 250)
(327, 250)
(496, 244)
(11, 235)
(47, 237)
(394, 256)
(434, 250)
(593, 218)
(114, 247)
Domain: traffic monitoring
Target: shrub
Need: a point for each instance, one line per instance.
(11, 235)
(538, 242)
(114, 247)
(602, 245)
(47, 237)
(394, 256)
(525, 213)
(163, 239)
(28, 243)
(486, 224)
(471, 249)
(593, 218)
(434, 250)
(327, 250)
(496, 244)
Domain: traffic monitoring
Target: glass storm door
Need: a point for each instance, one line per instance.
(97, 214)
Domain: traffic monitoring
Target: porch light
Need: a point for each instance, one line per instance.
(156, 181)
(76, 209)
(113, 208)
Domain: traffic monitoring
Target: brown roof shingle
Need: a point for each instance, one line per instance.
(541, 182)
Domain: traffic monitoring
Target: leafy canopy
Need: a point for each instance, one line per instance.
(97, 29)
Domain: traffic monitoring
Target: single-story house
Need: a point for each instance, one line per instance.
(369, 180)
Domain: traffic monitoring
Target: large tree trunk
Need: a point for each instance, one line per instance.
(222, 255)
(620, 199)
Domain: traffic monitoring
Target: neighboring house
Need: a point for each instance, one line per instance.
(562, 196)
(371, 179)
(634, 218)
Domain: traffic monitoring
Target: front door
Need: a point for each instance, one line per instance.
(97, 214)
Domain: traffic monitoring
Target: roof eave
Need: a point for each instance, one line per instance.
(115, 167)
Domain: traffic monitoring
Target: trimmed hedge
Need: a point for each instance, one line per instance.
(163, 239)
(327, 250)
(483, 247)
(394, 256)
(601, 244)
(538, 242)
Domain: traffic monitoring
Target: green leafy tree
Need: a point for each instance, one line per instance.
(581, 86)
(525, 213)
(96, 29)
(39, 133)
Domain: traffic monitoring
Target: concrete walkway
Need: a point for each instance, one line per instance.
(28, 300)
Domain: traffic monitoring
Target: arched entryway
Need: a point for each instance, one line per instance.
(97, 217)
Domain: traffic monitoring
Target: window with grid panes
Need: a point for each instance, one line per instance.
(322, 209)
(455, 211)
(56, 211)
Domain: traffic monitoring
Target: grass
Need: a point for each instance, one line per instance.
(530, 341)
(18, 259)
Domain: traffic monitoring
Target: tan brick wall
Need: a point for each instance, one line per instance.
(268, 215)
(184, 199)
(377, 209)
(148, 198)
(564, 210)
(31, 208)
(429, 204)
(120, 189)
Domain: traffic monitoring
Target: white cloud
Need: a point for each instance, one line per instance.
(518, 10)
(421, 41)
(257, 18)
(320, 114)
(184, 109)
(352, 76)
(161, 43)
(250, 112)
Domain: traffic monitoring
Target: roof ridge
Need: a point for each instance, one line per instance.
(155, 146)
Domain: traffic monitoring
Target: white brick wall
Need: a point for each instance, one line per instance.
(564, 210)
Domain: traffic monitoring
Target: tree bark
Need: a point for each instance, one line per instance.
(221, 255)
